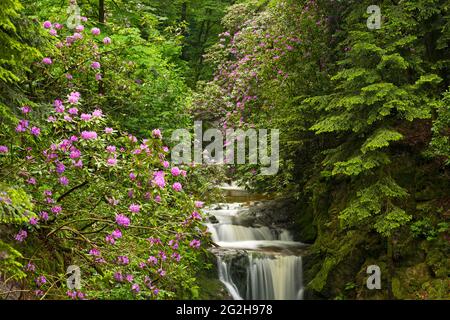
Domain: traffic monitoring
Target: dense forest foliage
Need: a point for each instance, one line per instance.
(88, 104)
(364, 116)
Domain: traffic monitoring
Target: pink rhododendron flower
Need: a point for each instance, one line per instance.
(135, 288)
(110, 239)
(69, 76)
(123, 260)
(31, 181)
(85, 116)
(111, 162)
(162, 255)
(183, 173)
(158, 179)
(40, 281)
(21, 235)
(94, 252)
(3, 149)
(95, 65)
(118, 276)
(97, 113)
(53, 32)
(75, 154)
(177, 186)
(157, 199)
(111, 149)
(95, 31)
(56, 209)
(175, 171)
(195, 244)
(58, 26)
(33, 221)
(30, 267)
(64, 181)
(122, 220)
(43, 215)
(20, 128)
(74, 97)
(58, 104)
(196, 216)
(176, 256)
(106, 40)
(60, 168)
(73, 111)
(198, 204)
(134, 208)
(47, 24)
(98, 76)
(166, 164)
(109, 130)
(157, 133)
(132, 138)
(38, 293)
(129, 278)
(25, 109)
(88, 135)
(47, 61)
(84, 19)
(72, 39)
(116, 234)
(79, 28)
(35, 131)
(152, 260)
(132, 176)
(78, 164)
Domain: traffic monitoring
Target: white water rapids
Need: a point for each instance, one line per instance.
(269, 268)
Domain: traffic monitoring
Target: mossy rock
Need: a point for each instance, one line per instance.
(305, 230)
(437, 289)
(211, 288)
(439, 263)
(408, 282)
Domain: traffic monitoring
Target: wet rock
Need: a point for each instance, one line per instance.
(278, 213)
(213, 219)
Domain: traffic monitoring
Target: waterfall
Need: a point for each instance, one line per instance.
(224, 276)
(231, 232)
(266, 269)
(275, 279)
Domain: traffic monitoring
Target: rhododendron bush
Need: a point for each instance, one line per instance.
(85, 193)
(106, 199)
(134, 79)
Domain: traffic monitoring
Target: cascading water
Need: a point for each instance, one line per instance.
(255, 262)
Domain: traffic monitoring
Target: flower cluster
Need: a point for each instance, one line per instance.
(102, 192)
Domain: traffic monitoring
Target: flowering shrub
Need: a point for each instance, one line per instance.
(99, 198)
(131, 77)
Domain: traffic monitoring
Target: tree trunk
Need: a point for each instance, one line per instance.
(184, 18)
(101, 11)
(390, 263)
(101, 19)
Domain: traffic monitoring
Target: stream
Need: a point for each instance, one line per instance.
(254, 262)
